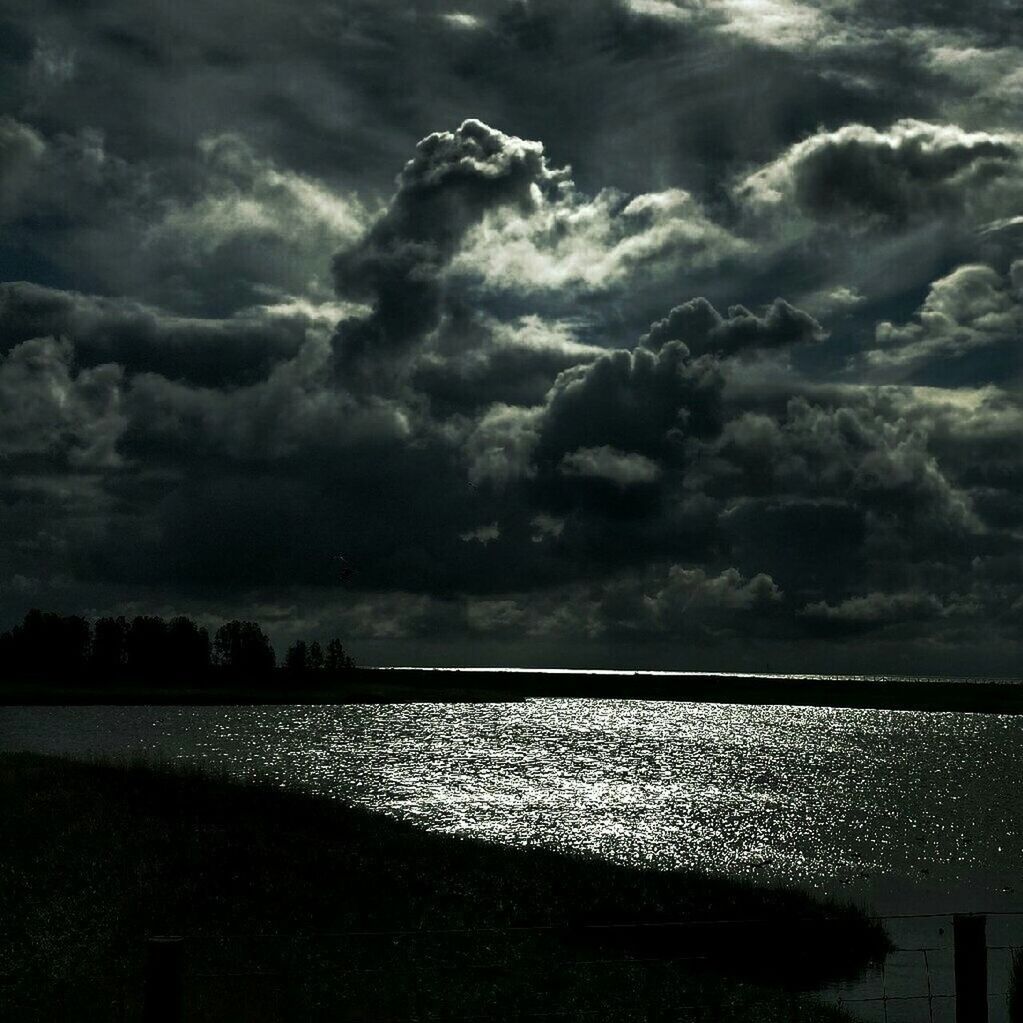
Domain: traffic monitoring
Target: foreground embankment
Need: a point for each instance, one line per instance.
(297, 908)
(407, 685)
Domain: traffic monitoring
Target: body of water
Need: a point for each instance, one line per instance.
(907, 812)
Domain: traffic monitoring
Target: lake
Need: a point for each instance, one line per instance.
(908, 812)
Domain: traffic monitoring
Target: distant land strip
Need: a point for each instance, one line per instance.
(440, 685)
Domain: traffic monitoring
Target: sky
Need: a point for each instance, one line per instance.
(585, 333)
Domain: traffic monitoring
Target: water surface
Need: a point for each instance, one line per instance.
(830, 798)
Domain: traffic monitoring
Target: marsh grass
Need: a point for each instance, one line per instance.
(295, 907)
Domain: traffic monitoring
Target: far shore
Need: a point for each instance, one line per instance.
(440, 685)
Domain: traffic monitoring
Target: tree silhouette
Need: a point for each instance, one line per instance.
(337, 660)
(315, 656)
(188, 651)
(297, 658)
(146, 647)
(109, 645)
(243, 647)
(47, 643)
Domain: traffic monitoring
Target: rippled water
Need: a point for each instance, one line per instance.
(846, 800)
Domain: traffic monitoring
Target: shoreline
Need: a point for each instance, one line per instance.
(439, 685)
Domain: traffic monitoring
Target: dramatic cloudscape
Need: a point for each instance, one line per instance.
(630, 333)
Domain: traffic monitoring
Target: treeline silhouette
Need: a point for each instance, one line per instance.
(63, 647)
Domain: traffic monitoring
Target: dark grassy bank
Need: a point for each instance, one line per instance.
(266, 887)
(379, 685)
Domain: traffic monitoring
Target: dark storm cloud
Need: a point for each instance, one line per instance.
(689, 603)
(805, 543)
(55, 417)
(704, 329)
(215, 353)
(21, 148)
(853, 449)
(883, 179)
(635, 401)
(998, 19)
(871, 612)
(317, 89)
(477, 362)
(968, 329)
(232, 231)
(451, 182)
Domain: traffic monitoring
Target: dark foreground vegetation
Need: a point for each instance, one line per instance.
(297, 908)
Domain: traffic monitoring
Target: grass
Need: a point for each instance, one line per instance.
(266, 886)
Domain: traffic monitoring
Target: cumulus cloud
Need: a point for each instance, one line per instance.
(50, 411)
(237, 231)
(594, 244)
(141, 338)
(482, 534)
(472, 361)
(622, 468)
(263, 230)
(638, 400)
(784, 24)
(973, 311)
(21, 149)
(869, 180)
(873, 611)
(670, 601)
(480, 212)
(677, 600)
(463, 21)
(704, 329)
(833, 301)
(446, 188)
(854, 451)
(499, 449)
(292, 410)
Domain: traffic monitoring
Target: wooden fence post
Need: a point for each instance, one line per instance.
(165, 981)
(970, 940)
